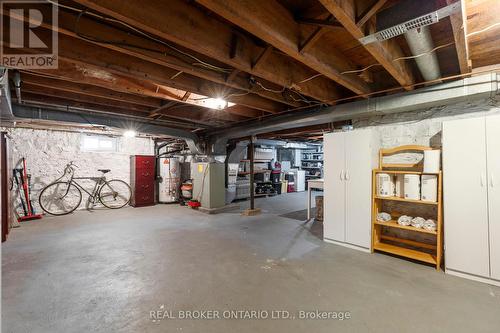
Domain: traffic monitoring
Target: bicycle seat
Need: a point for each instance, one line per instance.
(104, 170)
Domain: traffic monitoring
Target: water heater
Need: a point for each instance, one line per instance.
(169, 185)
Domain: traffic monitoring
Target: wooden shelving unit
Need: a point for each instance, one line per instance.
(403, 199)
(416, 250)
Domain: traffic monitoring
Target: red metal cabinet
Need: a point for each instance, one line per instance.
(142, 180)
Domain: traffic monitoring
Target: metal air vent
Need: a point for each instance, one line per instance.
(415, 23)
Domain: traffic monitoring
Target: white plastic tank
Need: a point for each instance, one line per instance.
(230, 193)
(399, 185)
(170, 174)
(412, 186)
(385, 185)
(429, 188)
(432, 161)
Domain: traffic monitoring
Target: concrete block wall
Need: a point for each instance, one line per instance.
(423, 127)
(48, 151)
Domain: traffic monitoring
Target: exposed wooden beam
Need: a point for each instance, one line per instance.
(184, 24)
(142, 48)
(69, 71)
(273, 23)
(201, 114)
(327, 24)
(189, 115)
(89, 90)
(83, 53)
(262, 56)
(186, 96)
(232, 75)
(370, 12)
(384, 52)
(198, 114)
(244, 111)
(58, 101)
(46, 91)
(459, 25)
(40, 100)
(161, 109)
(312, 39)
(234, 46)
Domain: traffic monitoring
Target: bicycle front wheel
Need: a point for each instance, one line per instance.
(60, 198)
(115, 194)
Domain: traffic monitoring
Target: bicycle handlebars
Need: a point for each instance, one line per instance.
(70, 167)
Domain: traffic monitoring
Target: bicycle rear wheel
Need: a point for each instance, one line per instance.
(60, 198)
(115, 194)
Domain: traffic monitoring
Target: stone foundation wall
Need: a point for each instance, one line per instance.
(48, 151)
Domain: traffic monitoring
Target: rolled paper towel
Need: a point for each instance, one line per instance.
(405, 220)
(418, 222)
(430, 225)
(383, 217)
(432, 161)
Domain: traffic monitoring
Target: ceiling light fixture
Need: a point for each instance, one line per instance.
(216, 103)
(129, 134)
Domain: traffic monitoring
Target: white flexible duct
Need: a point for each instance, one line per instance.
(420, 43)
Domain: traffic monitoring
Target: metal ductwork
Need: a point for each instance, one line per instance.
(36, 113)
(476, 87)
(239, 150)
(420, 43)
(5, 102)
(16, 79)
(413, 19)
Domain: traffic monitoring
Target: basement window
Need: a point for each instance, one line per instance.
(97, 143)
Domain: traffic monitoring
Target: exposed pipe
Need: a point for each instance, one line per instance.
(420, 43)
(22, 111)
(5, 102)
(16, 78)
(481, 86)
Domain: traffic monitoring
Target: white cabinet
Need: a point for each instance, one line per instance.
(471, 170)
(349, 158)
(493, 157)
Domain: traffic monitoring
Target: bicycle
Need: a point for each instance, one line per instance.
(63, 197)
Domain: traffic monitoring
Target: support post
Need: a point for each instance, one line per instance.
(250, 153)
(252, 176)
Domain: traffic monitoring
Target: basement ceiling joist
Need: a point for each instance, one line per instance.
(272, 23)
(162, 60)
(89, 90)
(182, 23)
(84, 53)
(108, 36)
(384, 52)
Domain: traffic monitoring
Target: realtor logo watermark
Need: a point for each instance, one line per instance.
(28, 34)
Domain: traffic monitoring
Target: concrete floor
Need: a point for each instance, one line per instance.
(104, 271)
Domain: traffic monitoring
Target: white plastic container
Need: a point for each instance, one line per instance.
(399, 185)
(429, 188)
(230, 193)
(385, 185)
(432, 161)
(412, 186)
(170, 174)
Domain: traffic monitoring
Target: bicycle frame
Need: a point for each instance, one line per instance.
(110, 193)
(99, 183)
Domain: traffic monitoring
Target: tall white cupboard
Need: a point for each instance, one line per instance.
(471, 179)
(349, 158)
